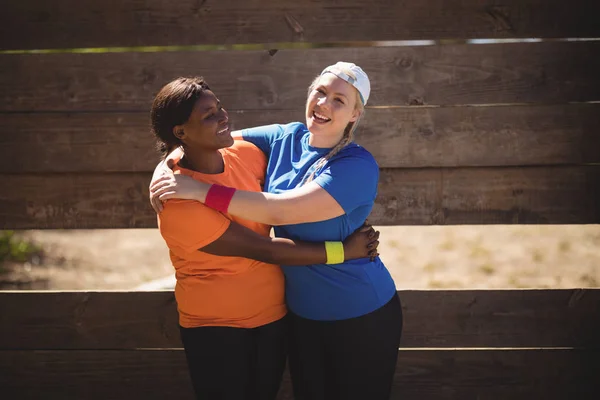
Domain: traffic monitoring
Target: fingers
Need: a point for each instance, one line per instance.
(163, 185)
(374, 234)
(158, 188)
(154, 207)
(365, 228)
(373, 254)
(373, 245)
(156, 204)
(161, 180)
(166, 196)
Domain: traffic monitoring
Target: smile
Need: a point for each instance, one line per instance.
(223, 131)
(320, 117)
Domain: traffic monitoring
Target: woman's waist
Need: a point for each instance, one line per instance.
(205, 265)
(233, 295)
(360, 274)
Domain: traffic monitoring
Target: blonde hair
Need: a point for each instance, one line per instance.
(347, 137)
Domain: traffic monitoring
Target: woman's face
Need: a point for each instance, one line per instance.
(330, 106)
(208, 124)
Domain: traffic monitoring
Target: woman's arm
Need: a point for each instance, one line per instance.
(308, 203)
(239, 241)
(342, 186)
(163, 169)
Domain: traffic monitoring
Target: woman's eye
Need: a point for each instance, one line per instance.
(339, 100)
(320, 91)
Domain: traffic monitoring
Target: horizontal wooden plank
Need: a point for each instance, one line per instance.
(76, 201)
(531, 195)
(421, 374)
(437, 319)
(397, 137)
(550, 72)
(550, 195)
(96, 23)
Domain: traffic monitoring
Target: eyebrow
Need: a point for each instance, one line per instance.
(336, 93)
(207, 109)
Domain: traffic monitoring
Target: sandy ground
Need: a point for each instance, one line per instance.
(418, 257)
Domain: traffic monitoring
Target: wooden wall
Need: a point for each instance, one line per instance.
(487, 344)
(464, 133)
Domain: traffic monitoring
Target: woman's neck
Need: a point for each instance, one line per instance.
(206, 162)
(324, 142)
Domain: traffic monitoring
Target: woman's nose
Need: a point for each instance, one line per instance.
(224, 115)
(322, 101)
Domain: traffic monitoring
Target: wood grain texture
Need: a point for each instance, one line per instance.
(76, 201)
(531, 195)
(400, 137)
(550, 72)
(436, 319)
(27, 24)
(420, 374)
(557, 195)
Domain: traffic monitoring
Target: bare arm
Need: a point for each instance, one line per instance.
(239, 241)
(308, 203)
(163, 169)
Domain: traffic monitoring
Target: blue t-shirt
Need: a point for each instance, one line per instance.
(320, 291)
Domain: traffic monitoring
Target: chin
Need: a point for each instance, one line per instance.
(313, 127)
(229, 142)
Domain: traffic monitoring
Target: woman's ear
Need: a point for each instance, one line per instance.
(178, 132)
(355, 114)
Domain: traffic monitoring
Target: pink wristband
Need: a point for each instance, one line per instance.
(219, 197)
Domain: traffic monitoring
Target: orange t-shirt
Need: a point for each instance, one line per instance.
(213, 290)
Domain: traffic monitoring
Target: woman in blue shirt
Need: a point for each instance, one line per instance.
(346, 319)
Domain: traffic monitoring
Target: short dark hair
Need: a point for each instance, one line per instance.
(173, 106)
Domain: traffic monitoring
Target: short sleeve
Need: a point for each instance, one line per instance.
(351, 180)
(263, 136)
(190, 225)
(252, 157)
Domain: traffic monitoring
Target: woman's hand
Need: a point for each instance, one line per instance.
(171, 186)
(362, 243)
(163, 170)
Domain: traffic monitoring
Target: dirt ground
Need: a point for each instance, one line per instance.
(418, 257)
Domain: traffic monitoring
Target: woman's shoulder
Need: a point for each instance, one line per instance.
(274, 131)
(247, 155)
(356, 151)
(294, 129)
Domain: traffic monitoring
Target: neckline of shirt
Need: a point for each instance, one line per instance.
(226, 167)
(321, 150)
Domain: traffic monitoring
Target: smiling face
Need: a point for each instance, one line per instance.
(207, 128)
(331, 106)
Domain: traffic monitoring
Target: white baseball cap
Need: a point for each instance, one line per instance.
(361, 82)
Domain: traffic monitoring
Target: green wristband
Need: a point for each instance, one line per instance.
(335, 252)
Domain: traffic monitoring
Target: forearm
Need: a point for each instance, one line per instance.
(301, 205)
(289, 252)
(239, 241)
(267, 208)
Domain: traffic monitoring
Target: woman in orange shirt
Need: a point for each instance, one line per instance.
(229, 293)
